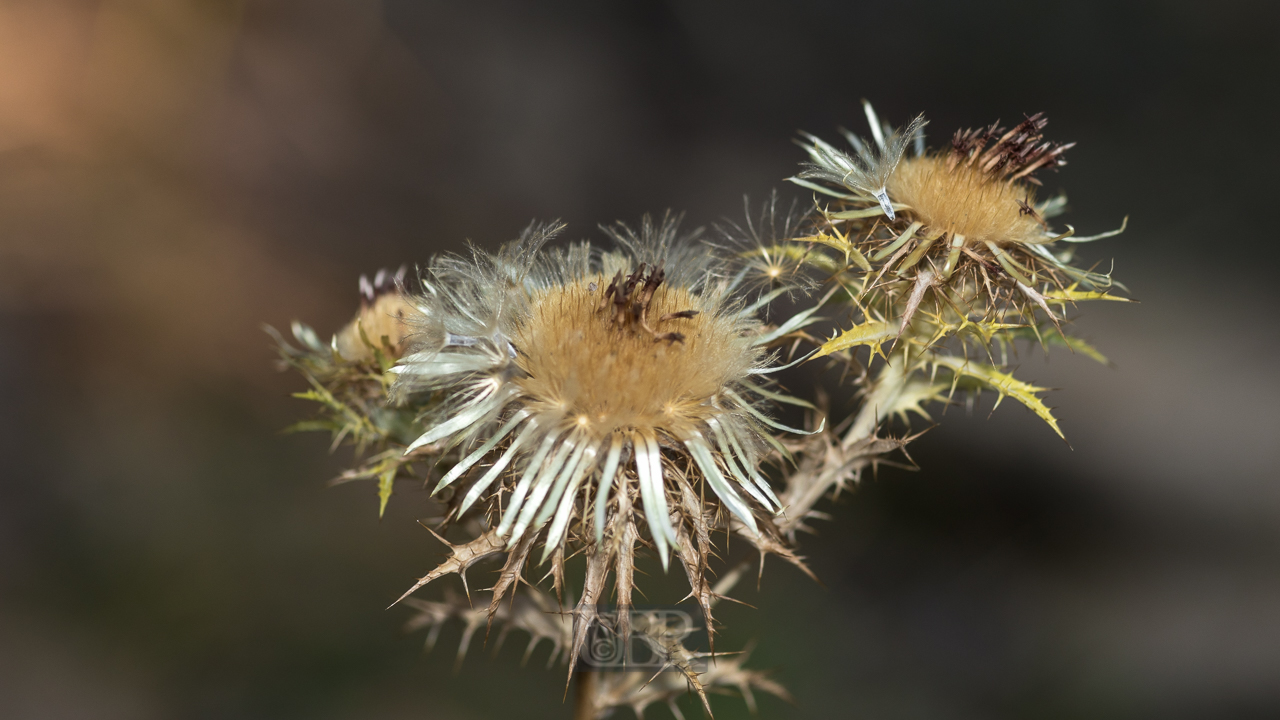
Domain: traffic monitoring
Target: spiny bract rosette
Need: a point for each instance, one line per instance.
(947, 256)
(574, 382)
(536, 614)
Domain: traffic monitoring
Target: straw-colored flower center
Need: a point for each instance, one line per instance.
(382, 320)
(965, 201)
(605, 371)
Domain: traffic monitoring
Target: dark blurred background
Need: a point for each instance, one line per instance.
(173, 173)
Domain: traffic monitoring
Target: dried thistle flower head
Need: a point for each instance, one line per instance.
(589, 394)
(380, 323)
(957, 249)
(601, 368)
(350, 381)
(969, 209)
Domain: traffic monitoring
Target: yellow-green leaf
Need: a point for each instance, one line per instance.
(983, 329)
(1003, 383)
(1055, 337)
(914, 396)
(871, 333)
(839, 243)
(1083, 348)
(1070, 295)
(386, 481)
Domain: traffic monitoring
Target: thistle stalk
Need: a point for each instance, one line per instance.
(584, 695)
(883, 396)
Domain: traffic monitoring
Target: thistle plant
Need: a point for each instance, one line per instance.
(610, 401)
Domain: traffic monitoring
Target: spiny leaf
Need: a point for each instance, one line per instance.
(321, 397)
(767, 545)
(872, 333)
(386, 483)
(460, 558)
(841, 243)
(1075, 344)
(373, 467)
(510, 573)
(585, 612)
(985, 330)
(914, 397)
(1071, 295)
(1079, 346)
(1001, 382)
(321, 394)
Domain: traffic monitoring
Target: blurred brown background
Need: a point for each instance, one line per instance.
(173, 173)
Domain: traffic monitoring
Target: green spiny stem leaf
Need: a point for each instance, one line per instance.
(386, 483)
(984, 330)
(914, 396)
(1078, 345)
(1071, 295)
(1002, 382)
(1054, 337)
(871, 333)
(840, 243)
